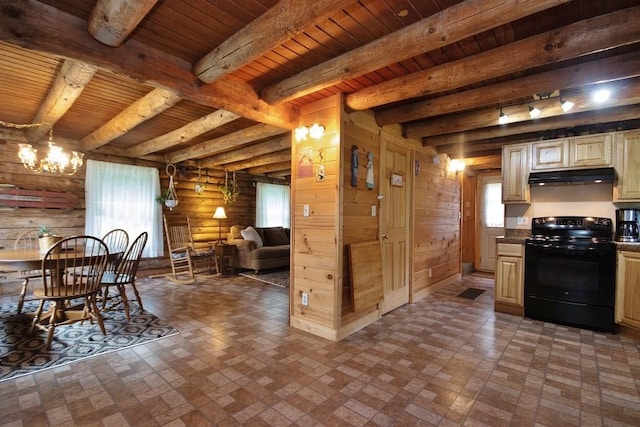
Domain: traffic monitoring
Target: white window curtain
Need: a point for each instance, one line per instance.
(123, 196)
(273, 207)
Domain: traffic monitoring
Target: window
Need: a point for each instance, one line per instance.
(123, 196)
(272, 205)
(493, 209)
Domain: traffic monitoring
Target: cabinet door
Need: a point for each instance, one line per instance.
(509, 278)
(627, 164)
(590, 151)
(515, 173)
(550, 154)
(628, 289)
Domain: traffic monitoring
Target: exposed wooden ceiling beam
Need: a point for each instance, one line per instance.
(183, 134)
(626, 92)
(629, 112)
(112, 21)
(276, 157)
(454, 24)
(276, 26)
(224, 143)
(280, 143)
(572, 41)
(34, 25)
(67, 87)
(145, 108)
(271, 168)
(608, 69)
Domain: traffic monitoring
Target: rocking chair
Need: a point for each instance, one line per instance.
(182, 253)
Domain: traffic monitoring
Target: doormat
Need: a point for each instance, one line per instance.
(471, 293)
(23, 354)
(273, 277)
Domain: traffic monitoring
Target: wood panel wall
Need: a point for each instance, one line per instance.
(315, 248)
(436, 230)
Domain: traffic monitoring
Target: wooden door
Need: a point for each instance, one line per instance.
(395, 187)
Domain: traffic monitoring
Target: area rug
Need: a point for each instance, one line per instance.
(471, 293)
(273, 277)
(22, 354)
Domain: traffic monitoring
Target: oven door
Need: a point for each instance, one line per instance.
(579, 275)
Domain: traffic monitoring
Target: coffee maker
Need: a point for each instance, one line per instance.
(627, 225)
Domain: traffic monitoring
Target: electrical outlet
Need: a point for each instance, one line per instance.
(430, 275)
(305, 210)
(521, 220)
(373, 210)
(305, 299)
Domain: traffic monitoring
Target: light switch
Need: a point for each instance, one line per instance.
(373, 210)
(305, 210)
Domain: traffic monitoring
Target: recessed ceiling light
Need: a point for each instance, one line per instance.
(403, 13)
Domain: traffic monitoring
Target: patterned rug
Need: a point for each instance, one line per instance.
(21, 354)
(272, 277)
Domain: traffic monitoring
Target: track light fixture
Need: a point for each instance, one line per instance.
(503, 118)
(534, 111)
(566, 105)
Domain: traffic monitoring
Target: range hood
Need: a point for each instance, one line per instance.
(574, 176)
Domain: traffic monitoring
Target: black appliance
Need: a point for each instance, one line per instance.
(627, 225)
(570, 272)
(573, 176)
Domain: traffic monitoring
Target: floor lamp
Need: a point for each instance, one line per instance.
(219, 214)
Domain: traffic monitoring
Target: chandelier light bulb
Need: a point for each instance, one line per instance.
(57, 160)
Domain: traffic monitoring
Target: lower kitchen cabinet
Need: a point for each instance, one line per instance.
(628, 289)
(509, 288)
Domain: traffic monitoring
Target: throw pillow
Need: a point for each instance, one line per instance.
(275, 236)
(250, 233)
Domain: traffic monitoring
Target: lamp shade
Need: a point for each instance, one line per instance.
(219, 213)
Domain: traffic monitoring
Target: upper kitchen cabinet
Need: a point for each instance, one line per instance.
(577, 152)
(591, 151)
(550, 154)
(515, 172)
(627, 165)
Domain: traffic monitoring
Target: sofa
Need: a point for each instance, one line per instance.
(260, 248)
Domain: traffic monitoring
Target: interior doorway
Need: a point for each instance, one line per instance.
(491, 216)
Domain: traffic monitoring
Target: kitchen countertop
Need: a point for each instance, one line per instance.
(512, 239)
(628, 246)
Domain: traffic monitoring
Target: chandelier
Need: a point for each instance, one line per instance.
(57, 161)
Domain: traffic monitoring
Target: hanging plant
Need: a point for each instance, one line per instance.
(230, 190)
(200, 184)
(169, 196)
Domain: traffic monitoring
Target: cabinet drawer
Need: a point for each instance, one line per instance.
(510, 249)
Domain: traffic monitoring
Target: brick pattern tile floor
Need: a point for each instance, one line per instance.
(442, 361)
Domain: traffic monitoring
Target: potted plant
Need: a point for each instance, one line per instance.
(229, 190)
(46, 239)
(167, 198)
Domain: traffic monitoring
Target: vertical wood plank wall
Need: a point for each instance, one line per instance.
(315, 251)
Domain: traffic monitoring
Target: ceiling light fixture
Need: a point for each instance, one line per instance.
(57, 161)
(601, 95)
(534, 112)
(456, 165)
(315, 131)
(566, 105)
(503, 118)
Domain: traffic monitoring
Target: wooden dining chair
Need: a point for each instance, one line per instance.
(125, 274)
(72, 271)
(27, 240)
(182, 253)
(117, 240)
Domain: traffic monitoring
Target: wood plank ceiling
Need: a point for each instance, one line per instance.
(219, 83)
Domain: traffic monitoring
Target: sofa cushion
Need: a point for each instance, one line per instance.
(271, 252)
(250, 233)
(275, 236)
